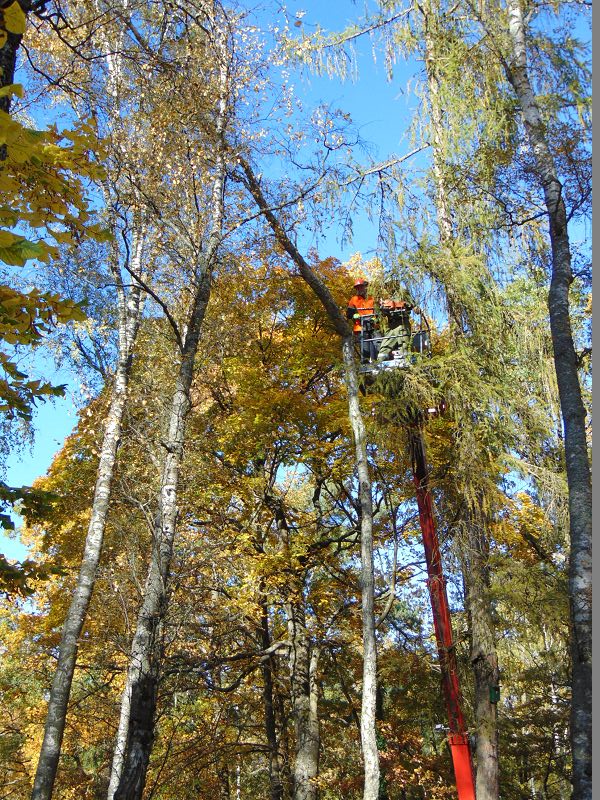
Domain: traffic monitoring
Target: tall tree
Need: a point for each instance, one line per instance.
(484, 658)
(572, 407)
(510, 46)
(140, 696)
(369, 686)
(128, 227)
(43, 172)
(129, 318)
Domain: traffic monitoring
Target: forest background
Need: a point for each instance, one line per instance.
(231, 631)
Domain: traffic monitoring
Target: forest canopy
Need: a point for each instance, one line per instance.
(322, 529)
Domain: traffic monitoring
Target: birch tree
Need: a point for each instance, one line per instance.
(572, 408)
(129, 317)
(123, 262)
(136, 727)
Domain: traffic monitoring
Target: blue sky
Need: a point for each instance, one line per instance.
(53, 422)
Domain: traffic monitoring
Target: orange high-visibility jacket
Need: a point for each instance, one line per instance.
(362, 306)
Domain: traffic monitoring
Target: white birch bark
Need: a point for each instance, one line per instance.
(129, 318)
(572, 410)
(130, 304)
(116, 767)
(146, 649)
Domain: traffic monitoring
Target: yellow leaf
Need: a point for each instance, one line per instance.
(14, 18)
(3, 37)
(11, 88)
(64, 237)
(7, 238)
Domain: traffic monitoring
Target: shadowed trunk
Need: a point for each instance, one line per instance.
(572, 410)
(483, 657)
(275, 778)
(8, 63)
(224, 782)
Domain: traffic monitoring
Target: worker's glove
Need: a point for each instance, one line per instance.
(356, 316)
(417, 310)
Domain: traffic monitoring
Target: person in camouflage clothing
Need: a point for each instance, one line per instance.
(396, 329)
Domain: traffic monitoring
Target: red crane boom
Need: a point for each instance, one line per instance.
(457, 736)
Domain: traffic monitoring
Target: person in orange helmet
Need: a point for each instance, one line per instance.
(362, 305)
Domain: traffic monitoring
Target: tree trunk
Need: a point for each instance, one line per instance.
(572, 411)
(483, 658)
(118, 760)
(380, 716)
(146, 650)
(275, 779)
(224, 782)
(285, 748)
(303, 661)
(368, 734)
(8, 62)
(129, 318)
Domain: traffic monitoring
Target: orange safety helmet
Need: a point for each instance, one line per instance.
(360, 282)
